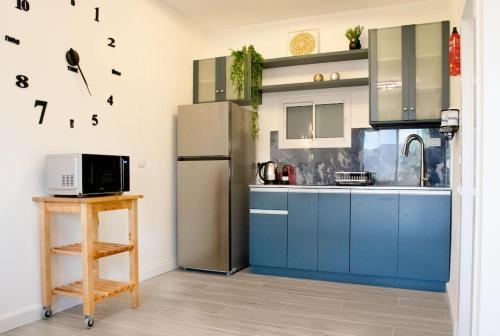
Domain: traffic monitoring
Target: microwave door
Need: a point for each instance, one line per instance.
(101, 174)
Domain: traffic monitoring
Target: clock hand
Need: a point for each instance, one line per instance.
(84, 79)
(73, 59)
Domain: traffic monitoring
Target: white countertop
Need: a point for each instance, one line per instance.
(374, 187)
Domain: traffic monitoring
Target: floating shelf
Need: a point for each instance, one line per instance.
(101, 250)
(336, 56)
(103, 289)
(316, 85)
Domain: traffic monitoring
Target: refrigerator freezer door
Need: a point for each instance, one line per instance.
(203, 214)
(203, 130)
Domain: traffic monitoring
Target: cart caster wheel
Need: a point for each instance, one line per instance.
(89, 321)
(46, 312)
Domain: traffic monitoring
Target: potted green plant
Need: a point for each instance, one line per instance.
(239, 76)
(353, 35)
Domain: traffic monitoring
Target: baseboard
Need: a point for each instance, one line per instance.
(33, 313)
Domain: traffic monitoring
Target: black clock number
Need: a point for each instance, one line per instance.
(97, 14)
(111, 42)
(12, 40)
(23, 5)
(116, 72)
(72, 123)
(111, 100)
(43, 104)
(73, 2)
(95, 121)
(22, 81)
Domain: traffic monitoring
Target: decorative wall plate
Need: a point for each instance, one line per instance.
(304, 42)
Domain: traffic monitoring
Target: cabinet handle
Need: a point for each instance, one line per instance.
(405, 109)
(412, 109)
(216, 91)
(221, 91)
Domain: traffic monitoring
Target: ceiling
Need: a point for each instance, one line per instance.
(225, 14)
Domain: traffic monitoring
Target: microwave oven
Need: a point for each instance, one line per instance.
(87, 174)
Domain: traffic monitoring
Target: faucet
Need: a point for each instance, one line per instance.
(406, 150)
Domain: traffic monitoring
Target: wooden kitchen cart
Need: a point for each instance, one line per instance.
(91, 288)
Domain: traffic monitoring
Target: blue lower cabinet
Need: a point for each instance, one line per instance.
(268, 198)
(268, 238)
(374, 233)
(303, 229)
(424, 235)
(334, 222)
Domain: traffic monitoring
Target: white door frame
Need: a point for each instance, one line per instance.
(468, 183)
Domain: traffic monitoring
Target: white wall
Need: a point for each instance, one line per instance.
(155, 49)
(487, 235)
(271, 39)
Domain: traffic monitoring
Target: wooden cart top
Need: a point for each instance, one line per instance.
(95, 199)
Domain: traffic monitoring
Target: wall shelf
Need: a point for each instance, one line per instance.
(351, 82)
(336, 56)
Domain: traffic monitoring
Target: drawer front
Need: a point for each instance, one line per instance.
(268, 239)
(269, 199)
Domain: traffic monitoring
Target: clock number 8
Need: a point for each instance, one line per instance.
(22, 81)
(23, 5)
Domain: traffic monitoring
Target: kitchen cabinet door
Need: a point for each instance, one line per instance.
(374, 233)
(334, 221)
(268, 238)
(409, 81)
(269, 198)
(424, 235)
(303, 229)
(212, 82)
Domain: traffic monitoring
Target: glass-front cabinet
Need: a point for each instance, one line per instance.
(212, 82)
(409, 81)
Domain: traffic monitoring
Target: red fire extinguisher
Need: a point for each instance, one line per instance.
(454, 53)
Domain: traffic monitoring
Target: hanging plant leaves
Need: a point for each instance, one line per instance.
(239, 76)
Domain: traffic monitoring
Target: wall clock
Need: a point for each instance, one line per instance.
(72, 59)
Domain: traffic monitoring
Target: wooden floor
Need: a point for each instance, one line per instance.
(182, 303)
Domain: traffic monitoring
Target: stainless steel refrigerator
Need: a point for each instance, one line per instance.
(215, 165)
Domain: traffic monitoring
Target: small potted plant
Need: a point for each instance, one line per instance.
(353, 35)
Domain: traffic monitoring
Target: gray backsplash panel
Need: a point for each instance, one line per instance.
(377, 151)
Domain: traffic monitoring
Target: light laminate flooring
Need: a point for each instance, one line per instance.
(187, 303)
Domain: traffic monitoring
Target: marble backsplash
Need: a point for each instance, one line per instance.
(376, 151)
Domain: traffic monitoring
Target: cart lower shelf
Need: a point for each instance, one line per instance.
(103, 289)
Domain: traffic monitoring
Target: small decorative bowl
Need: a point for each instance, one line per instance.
(319, 78)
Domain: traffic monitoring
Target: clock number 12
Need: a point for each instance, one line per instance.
(43, 104)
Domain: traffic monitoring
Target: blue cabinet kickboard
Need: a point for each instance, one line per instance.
(393, 239)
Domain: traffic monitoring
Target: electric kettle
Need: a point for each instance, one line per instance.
(267, 171)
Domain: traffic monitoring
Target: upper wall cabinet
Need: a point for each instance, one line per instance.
(409, 81)
(212, 82)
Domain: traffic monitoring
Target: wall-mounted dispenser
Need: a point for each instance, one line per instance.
(449, 122)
